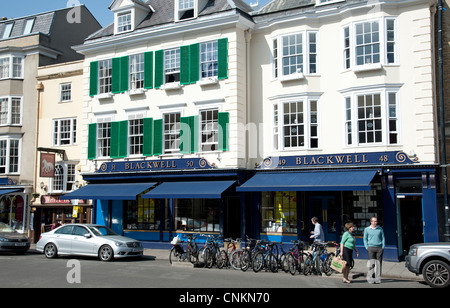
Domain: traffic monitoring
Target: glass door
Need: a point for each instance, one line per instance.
(325, 209)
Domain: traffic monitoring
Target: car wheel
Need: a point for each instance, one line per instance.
(437, 274)
(106, 253)
(50, 250)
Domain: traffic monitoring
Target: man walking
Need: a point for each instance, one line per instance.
(317, 234)
(374, 243)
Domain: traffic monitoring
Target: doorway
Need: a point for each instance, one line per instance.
(409, 222)
(325, 209)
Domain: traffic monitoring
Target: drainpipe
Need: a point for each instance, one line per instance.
(441, 105)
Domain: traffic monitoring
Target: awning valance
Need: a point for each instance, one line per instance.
(189, 190)
(124, 191)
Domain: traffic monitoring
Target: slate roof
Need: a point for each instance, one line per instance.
(164, 14)
(42, 24)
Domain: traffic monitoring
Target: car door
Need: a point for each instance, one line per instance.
(81, 244)
(63, 239)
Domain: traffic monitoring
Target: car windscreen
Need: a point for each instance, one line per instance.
(4, 228)
(101, 231)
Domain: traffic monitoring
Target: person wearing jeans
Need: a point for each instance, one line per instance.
(374, 243)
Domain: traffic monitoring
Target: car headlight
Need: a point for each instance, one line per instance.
(119, 244)
(413, 252)
(2, 239)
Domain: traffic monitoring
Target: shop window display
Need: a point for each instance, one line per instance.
(197, 215)
(279, 212)
(359, 207)
(143, 214)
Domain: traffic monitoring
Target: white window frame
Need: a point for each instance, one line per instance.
(383, 45)
(11, 67)
(9, 121)
(172, 64)
(136, 71)
(135, 116)
(7, 165)
(209, 55)
(176, 131)
(386, 115)
(277, 56)
(7, 30)
(104, 87)
(124, 22)
(278, 126)
(180, 10)
(28, 28)
(66, 177)
(102, 120)
(65, 92)
(57, 132)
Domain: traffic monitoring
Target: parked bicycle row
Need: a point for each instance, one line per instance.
(300, 257)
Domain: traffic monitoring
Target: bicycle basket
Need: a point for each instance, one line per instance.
(176, 240)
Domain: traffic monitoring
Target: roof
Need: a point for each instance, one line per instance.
(42, 24)
(164, 14)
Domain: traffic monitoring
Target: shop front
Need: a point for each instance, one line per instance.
(153, 201)
(52, 211)
(13, 204)
(401, 193)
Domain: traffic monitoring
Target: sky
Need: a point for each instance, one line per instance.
(99, 8)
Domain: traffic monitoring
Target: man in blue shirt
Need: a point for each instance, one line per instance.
(317, 234)
(374, 243)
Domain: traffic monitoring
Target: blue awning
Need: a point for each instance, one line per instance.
(189, 190)
(124, 191)
(9, 191)
(310, 181)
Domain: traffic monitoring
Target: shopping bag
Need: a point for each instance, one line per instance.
(337, 264)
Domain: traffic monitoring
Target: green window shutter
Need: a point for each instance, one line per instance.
(115, 86)
(148, 70)
(184, 64)
(92, 141)
(195, 63)
(124, 76)
(224, 120)
(158, 137)
(114, 141)
(222, 60)
(159, 68)
(93, 81)
(123, 139)
(185, 135)
(148, 137)
(194, 133)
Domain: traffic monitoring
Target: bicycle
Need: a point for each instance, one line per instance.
(265, 257)
(178, 252)
(296, 257)
(234, 254)
(214, 255)
(246, 257)
(315, 259)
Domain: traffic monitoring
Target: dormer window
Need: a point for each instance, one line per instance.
(124, 22)
(185, 9)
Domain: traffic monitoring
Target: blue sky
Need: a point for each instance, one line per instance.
(99, 8)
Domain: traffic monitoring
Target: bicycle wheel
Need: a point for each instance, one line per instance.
(235, 259)
(222, 259)
(301, 261)
(258, 261)
(308, 266)
(292, 264)
(272, 263)
(284, 262)
(209, 257)
(245, 260)
(173, 255)
(327, 264)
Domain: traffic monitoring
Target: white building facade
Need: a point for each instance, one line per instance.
(202, 116)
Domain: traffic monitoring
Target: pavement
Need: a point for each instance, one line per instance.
(390, 270)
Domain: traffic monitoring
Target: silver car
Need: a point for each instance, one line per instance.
(88, 240)
(432, 260)
(12, 241)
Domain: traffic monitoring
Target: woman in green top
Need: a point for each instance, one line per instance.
(348, 244)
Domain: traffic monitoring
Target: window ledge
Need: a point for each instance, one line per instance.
(171, 86)
(295, 76)
(208, 81)
(368, 67)
(103, 96)
(136, 92)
